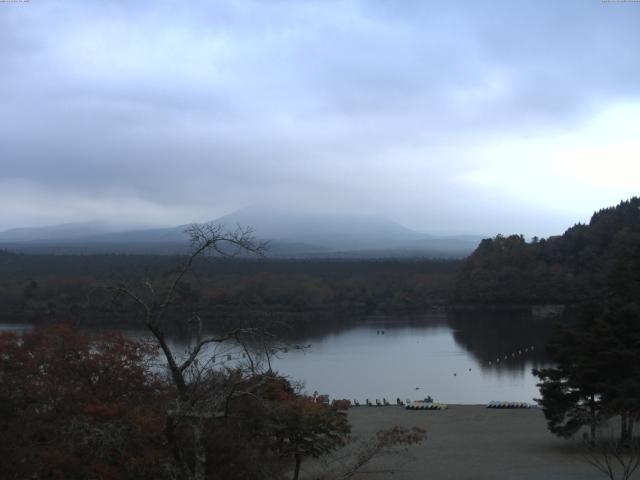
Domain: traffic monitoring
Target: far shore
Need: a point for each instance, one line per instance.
(472, 442)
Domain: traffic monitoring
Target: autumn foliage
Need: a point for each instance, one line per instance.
(76, 407)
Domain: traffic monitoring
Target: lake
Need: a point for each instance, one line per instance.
(458, 358)
(454, 358)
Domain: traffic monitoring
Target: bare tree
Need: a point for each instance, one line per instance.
(362, 458)
(615, 459)
(196, 400)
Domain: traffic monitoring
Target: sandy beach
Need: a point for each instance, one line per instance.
(471, 442)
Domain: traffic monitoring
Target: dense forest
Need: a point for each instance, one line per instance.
(568, 269)
(46, 288)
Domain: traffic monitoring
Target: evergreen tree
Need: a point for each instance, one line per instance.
(597, 372)
(571, 391)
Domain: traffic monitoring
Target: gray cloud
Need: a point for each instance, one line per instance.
(389, 107)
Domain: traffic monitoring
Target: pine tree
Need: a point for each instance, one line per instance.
(597, 372)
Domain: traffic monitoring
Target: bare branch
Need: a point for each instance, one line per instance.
(199, 397)
(609, 457)
(202, 343)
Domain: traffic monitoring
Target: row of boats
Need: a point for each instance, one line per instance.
(422, 405)
(499, 404)
(378, 403)
(426, 404)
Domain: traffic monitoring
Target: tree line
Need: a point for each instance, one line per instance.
(48, 288)
(571, 268)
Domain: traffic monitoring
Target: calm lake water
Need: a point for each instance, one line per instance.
(462, 358)
(454, 359)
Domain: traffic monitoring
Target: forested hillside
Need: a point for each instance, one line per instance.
(571, 268)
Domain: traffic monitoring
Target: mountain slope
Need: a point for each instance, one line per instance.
(337, 231)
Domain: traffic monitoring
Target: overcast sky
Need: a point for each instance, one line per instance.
(447, 116)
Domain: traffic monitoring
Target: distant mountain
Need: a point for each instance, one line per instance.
(64, 231)
(151, 236)
(333, 231)
(291, 234)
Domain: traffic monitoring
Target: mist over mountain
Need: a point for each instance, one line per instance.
(290, 233)
(65, 231)
(336, 231)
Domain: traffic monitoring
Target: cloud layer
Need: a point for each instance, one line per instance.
(447, 116)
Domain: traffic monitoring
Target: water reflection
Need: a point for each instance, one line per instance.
(446, 356)
(455, 357)
(511, 341)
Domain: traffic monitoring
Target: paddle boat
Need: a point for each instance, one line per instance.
(424, 405)
(502, 404)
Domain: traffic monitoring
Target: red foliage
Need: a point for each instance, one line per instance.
(73, 406)
(343, 404)
(307, 427)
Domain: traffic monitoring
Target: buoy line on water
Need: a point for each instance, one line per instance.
(514, 354)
